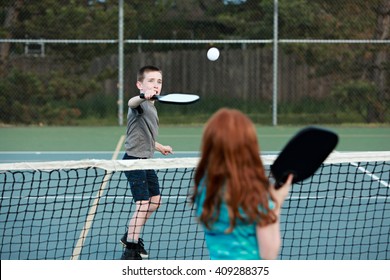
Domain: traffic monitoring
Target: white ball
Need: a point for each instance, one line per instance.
(213, 54)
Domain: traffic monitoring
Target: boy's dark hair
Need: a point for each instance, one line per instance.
(146, 69)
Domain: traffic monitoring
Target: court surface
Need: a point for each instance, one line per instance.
(92, 143)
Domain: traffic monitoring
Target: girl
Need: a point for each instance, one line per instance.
(236, 204)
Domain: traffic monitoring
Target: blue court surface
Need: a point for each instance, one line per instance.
(343, 212)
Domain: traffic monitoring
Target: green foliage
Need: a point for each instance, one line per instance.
(317, 19)
(75, 93)
(212, 19)
(98, 106)
(74, 19)
(361, 97)
(30, 99)
(49, 19)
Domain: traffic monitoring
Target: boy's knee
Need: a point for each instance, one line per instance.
(153, 206)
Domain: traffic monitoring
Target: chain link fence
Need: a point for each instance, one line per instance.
(282, 62)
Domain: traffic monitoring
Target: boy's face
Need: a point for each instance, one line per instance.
(152, 82)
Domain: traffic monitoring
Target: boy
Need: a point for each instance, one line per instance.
(142, 131)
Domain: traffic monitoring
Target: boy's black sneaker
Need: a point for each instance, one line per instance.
(131, 252)
(141, 249)
(140, 245)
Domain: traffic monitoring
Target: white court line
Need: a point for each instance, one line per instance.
(368, 173)
(92, 211)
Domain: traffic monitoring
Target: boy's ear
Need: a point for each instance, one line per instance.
(139, 85)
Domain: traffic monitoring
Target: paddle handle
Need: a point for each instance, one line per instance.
(142, 96)
(280, 182)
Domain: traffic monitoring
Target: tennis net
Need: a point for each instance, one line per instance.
(80, 210)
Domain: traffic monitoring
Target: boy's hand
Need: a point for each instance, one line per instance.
(148, 94)
(165, 150)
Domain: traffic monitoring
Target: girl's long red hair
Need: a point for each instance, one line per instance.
(231, 165)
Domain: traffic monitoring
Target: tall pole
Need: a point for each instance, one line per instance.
(275, 67)
(120, 64)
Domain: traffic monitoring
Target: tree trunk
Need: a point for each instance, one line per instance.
(11, 18)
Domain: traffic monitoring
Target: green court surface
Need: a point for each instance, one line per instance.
(181, 138)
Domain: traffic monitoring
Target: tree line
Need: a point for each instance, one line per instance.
(191, 19)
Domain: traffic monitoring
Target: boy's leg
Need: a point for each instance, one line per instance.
(134, 248)
(146, 193)
(147, 208)
(154, 204)
(144, 209)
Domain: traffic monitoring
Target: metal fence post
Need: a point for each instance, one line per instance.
(120, 64)
(275, 67)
